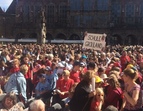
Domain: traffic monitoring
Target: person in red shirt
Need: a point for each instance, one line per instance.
(113, 93)
(28, 76)
(64, 85)
(125, 59)
(75, 73)
(15, 68)
(98, 100)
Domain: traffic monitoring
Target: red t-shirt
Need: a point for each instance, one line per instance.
(14, 69)
(28, 74)
(113, 97)
(65, 85)
(93, 105)
(75, 76)
(124, 60)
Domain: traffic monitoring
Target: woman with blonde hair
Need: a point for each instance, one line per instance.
(98, 100)
(132, 93)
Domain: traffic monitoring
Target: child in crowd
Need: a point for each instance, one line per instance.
(43, 87)
(98, 100)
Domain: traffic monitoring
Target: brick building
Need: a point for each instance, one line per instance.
(121, 20)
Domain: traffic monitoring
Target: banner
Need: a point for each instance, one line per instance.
(94, 41)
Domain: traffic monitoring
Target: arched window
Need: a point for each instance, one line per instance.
(61, 36)
(131, 40)
(49, 36)
(74, 37)
(33, 36)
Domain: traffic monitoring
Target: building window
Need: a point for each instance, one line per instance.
(26, 13)
(102, 5)
(89, 5)
(116, 12)
(75, 5)
(141, 13)
(37, 12)
(130, 13)
(62, 15)
(50, 15)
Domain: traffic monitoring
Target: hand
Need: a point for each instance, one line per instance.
(125, 93)
(92, 94)
(62, 93)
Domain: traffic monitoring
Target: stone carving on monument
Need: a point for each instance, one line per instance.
(43, 27)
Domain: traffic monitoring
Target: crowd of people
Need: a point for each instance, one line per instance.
(67, 77)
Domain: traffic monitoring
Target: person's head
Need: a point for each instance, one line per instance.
(66, 74)
(130, 74)
(26, 59)
(76, 66)
(48, 70)
(111, 108)
(83, 58)
(37, 105)
(99, 94)
(91, 66)
(15, 63)
(124, 53)
(9, 100)
(42, 78)
(53, 66)
(101, 70)
(88, 76)
(24, 69)
(113, 81)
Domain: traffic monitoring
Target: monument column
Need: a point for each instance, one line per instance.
(43, 27)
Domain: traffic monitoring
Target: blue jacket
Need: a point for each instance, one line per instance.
(17, 84)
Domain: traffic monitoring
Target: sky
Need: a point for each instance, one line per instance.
(4, 4)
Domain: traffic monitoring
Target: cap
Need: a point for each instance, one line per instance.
(48, 68)
(98, 79)
(84, 57)
(103, 76)
(60, 65)
(82, 64)
(42, 75)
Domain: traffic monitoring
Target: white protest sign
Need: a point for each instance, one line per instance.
(94, 41)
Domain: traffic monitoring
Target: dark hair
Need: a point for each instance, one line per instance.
(131, 72)
(12, 96)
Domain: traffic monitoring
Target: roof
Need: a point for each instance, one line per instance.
(11, 8)
(1, 11)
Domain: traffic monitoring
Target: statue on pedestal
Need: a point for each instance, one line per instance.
(43, 27)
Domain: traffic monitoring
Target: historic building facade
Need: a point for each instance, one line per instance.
(121, 20)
